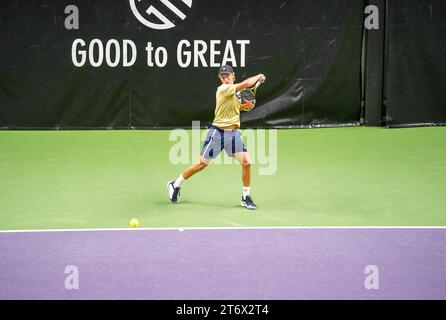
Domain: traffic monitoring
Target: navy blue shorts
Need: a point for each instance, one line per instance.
(218, 139)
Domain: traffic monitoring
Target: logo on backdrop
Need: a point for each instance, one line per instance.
(154, 14)
(145, 14)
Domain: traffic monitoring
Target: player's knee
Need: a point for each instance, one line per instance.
(202, 165)
(246, 164)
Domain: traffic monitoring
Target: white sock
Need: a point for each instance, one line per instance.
(246, 191)
(179, 181)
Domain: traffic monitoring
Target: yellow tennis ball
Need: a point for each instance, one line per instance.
(134, 223)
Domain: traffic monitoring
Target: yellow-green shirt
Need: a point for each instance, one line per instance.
(227, 109)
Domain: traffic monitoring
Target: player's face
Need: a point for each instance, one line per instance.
(228, 78)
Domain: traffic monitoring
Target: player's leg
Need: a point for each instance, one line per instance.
(173, 187)
(211, 148)
(245, 161)
(193, 169)
(237, 149)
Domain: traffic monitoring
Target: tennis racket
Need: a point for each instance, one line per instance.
(254, 89)
(249, 94)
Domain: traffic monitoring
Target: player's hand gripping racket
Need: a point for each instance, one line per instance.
(249, 94)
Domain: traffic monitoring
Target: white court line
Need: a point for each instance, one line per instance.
(221, 228)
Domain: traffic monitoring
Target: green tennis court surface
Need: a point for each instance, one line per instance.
(325, 177)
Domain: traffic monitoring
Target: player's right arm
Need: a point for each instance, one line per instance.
(248, 83)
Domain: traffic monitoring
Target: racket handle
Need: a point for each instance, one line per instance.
(258, 83)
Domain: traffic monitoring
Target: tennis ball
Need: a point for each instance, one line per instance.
(134, 223)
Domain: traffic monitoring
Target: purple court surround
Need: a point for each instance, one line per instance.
(222, 264)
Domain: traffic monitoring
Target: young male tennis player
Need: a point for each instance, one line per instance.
(224, 134)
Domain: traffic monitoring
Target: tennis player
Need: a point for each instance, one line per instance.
(224, 134)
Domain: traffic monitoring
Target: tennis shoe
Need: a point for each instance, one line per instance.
(248, 203)
(172, 192)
